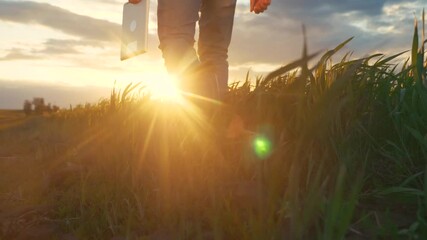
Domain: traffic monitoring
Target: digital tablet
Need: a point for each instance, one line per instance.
(135, 29)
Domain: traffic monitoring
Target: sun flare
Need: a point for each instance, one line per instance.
(165, 89)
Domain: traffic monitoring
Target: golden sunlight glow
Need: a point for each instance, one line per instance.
(165, 89)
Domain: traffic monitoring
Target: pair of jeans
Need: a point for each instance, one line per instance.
(204, 72)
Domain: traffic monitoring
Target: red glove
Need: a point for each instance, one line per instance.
(134, 1)
(259, 6)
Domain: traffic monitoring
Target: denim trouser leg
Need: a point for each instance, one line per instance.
(216, 26)
(176, 28)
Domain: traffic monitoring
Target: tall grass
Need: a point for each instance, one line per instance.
(349, 143)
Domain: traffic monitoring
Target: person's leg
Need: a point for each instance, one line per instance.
(216, 26)
(176, 28)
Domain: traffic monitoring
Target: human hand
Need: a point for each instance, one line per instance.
(134, 1)
(259, 6)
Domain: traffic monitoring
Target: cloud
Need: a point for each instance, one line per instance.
(276, 36)
(67, 46)
(50, 48)
(272, 38)
(14, 93)
(315, 9)
(17, 54)
(85, 27)
(86, 32)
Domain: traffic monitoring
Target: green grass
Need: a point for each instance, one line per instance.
(336, 151)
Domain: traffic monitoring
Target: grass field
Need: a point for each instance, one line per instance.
(10, 118)
(336, 151)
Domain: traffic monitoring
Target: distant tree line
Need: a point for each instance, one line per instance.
(38, 107)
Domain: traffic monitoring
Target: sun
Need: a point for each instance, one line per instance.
(165, 88)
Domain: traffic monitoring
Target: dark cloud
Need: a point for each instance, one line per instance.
(275, 37)
(300, 9)
(91, 32)
(60, 19)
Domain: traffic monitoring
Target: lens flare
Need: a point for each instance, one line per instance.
(262, 147)
(165, 89)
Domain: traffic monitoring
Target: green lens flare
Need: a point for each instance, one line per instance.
(262, 147)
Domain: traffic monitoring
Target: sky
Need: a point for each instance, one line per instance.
(69, 51)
